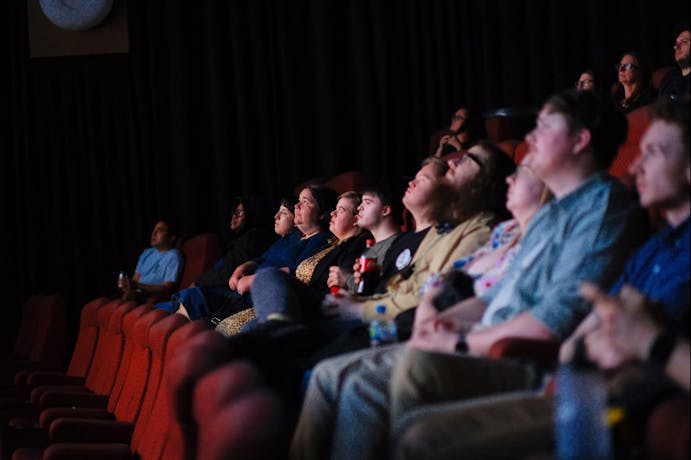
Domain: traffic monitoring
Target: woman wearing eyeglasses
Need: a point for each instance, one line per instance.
(633, 90)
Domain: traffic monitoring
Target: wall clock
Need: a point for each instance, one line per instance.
(76, 14)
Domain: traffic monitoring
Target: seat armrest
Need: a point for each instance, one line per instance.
(72, 399)
(95, 431)
(83, 451)
(88, 413)
(37, 379)
(544, 353)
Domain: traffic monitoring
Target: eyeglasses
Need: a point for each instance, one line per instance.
(457, 117)
(584, 83)
(238, 213)
(625, 67)
(465, 157)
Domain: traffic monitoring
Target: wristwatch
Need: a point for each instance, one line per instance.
(662, 347)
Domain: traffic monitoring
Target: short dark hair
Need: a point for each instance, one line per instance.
(288, 203)
(390, 193)
(492, 182)
(675, 112)
(326, 199)
(587, 110)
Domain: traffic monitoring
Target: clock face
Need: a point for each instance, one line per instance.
(76, 14)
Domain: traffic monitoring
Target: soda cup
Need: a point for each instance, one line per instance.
(367, 266)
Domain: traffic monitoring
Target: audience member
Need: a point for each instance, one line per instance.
(586, 82)
(249, 237)
(381, 214)
(417, 200)
(676, 83)
(633, 90)
(462, 133)
(158, 269)
(584, 233)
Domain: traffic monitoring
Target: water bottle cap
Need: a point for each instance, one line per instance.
(380, 309)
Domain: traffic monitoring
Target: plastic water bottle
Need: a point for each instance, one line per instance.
(382, 331)
(581, 427)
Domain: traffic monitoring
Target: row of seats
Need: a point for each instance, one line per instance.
(143, 383)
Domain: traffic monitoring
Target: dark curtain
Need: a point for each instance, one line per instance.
(219, 98)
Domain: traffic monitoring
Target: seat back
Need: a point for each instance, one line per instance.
(508, 146)
(203, 353)
(139, 372)
(520, 152)
(238, 416)
(152, 439)
(658, 75)
(158, 341)
(201, 252)
(638, 121)
(108, 353)
(50, 341)
(128, 323)
(347, 181)
(86, 339)
(27, 327)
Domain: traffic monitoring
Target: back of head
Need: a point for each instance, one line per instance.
(586, 110)
(258, 211)
(492, 186)
(326, 199)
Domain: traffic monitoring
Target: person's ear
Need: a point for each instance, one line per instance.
(386, 210)
(582, 140)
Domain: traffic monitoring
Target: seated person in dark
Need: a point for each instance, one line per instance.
(633, 90)
(158, 270)
(676, 83)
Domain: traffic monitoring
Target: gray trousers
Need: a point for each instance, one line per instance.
(354, 401)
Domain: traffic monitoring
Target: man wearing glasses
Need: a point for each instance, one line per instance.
(676, 83)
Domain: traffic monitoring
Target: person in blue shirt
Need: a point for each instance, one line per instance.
(158, 269)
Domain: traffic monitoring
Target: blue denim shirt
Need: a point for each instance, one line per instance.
(585, 235)
(660, 269)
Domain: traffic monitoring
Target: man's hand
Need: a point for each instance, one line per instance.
(626, 329)
(342, 305)
(431, 330)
